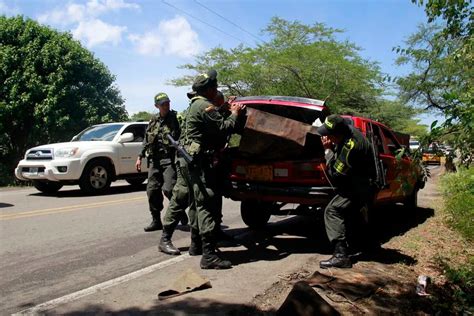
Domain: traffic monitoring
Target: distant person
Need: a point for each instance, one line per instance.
(160, 159)
(350, 166)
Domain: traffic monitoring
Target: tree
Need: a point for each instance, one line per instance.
(303, 60)
(458, 15)
(299, 60)
(141, 116)
(51, 88)
(399, 116)
(442, 81)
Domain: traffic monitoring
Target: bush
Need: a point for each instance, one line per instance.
(458, 193)
(461, 285)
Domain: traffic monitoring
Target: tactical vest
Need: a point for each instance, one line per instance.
(158, 145)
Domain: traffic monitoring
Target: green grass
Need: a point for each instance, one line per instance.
(461, 281)
(458, 194)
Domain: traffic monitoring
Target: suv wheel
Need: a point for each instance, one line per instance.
(255, 214)
(48, 187)
(96, 177)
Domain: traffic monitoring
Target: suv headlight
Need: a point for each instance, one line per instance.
(66, 152)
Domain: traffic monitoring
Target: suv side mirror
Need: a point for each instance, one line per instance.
(126, 137)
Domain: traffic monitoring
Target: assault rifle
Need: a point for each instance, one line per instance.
(180, 149)
(380, 180)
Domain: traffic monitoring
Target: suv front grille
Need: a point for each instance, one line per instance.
(40, 154)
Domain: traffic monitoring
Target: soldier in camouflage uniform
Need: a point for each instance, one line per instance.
(202, 132)
(350, 164)
(160, 158)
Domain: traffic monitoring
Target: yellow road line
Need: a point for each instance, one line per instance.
(66, 209)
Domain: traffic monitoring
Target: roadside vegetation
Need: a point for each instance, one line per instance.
(458, 194)
(51, 88)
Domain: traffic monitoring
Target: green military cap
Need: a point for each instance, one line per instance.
(203, 80)
(333, 124)
(161, 98)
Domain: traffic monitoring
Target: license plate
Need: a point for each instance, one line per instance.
(34, 170)
(260, 173)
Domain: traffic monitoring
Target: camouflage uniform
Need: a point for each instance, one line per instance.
(350, 167)
(202, 135)
(160, 156)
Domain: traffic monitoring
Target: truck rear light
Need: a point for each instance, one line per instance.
(280, 172)
(309, 170)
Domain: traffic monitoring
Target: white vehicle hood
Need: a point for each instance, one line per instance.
(85, 145)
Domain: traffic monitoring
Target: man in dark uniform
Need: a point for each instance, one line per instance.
(202, 133)
(350, 166)
(160, 157)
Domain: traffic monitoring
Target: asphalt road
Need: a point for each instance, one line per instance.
(55, 245)
(51, 246)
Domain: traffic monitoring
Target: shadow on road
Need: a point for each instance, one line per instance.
(188, 306)
(304, 234)
(121, 189)
(2, 205)
(396, 220)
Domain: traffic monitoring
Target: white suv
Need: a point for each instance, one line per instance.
(93, 159)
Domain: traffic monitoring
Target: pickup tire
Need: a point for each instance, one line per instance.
(96, 177)
(255, 214)
(135, 181)
(48, 187)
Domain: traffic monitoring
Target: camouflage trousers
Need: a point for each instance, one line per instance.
(195, 187)
(339, 214)
(161, 180)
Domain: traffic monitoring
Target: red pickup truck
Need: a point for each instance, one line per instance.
(279, 162)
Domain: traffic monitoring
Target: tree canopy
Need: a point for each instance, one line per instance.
(442, 79)
(302, 60)
(141, 116)
(51, 88)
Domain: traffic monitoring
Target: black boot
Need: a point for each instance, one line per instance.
(165, 244)
(155, 224)
(210, 259)
(184, 219)
(196, 245)
(340, 259)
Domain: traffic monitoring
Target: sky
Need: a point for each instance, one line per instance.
(143, 42)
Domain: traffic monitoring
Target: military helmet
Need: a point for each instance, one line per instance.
(161, 98)
(205, 80)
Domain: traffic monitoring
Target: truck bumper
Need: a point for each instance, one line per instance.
(287, 194)
(51, 170)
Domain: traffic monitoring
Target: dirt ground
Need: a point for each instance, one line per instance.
(385, 283)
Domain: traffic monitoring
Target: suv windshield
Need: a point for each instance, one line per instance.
(98, 133)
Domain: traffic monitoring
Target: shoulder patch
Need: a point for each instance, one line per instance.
(350, 143)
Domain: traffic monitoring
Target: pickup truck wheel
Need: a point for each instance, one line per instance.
(255, 214)
(48, 187)
(135, 181)
(96, 177)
